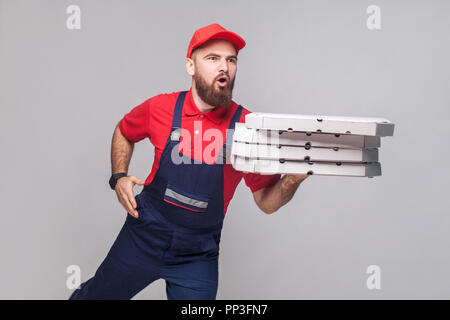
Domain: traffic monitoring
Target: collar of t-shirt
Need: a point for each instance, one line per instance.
(190, 109)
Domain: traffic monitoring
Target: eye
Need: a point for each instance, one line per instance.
(211, 57)
(232, 60)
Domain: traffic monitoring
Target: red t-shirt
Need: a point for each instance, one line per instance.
(153, 119)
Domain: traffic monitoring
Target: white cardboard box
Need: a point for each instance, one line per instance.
(301, 167)
(317, 123)
(263, 151)
(276, 137)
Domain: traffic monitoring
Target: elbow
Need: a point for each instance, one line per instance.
(267, 209)
(261, 200)
(270, 211)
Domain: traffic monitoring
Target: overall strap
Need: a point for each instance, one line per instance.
(176, 120)
(175, 131)
(226, 149)
(236, 117)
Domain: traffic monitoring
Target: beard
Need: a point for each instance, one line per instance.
(220, 97)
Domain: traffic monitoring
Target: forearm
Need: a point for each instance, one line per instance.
(121, 151)
(280, 193)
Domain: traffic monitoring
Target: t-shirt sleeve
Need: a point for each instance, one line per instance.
(135, 124)
(257, 181)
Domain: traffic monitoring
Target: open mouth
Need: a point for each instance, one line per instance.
(222, 81)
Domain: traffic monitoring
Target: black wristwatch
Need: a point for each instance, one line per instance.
(114, 178)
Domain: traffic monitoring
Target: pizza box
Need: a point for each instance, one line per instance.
(264, 166)
(279, 137)
(263, 151)
(318, 123)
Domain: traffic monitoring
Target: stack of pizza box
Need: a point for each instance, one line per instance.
(269, 143)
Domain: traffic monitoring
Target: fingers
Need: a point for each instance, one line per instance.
(132, 202)
(127, 204)
(124, 190)
(130, 206)
(127, 199)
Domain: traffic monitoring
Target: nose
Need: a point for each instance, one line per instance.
(223, 66)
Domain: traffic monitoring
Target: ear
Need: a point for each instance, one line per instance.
(190, 66)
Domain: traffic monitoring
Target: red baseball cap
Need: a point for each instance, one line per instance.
(214, 31)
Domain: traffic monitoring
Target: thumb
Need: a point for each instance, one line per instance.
(138, 181)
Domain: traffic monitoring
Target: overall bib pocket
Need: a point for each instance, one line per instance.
(186, 200)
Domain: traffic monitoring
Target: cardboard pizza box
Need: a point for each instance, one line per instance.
(336, 154)
(301, 167)
(277, 137)
(321, 124)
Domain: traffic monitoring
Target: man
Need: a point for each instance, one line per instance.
(174, 225)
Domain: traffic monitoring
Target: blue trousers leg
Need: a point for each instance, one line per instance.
(125, 271)
(146, 250)
(196, 280)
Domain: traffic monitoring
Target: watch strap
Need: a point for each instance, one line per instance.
(115, 177)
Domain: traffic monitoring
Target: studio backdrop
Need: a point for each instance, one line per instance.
(70, 70)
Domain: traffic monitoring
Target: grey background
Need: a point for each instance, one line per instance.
(63, 91)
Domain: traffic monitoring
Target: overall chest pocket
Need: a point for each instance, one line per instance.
(182, 198)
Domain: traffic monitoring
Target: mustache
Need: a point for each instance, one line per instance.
(223, 75)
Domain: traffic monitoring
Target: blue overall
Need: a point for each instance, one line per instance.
(176, 236)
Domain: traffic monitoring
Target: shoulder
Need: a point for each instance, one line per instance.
(162, 105)
(163, 100)
(161, 108)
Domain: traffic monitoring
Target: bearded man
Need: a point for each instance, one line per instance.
(173, 226)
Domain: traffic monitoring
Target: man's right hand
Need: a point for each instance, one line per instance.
(124, 192)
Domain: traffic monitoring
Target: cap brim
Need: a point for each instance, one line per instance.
(235, 39)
